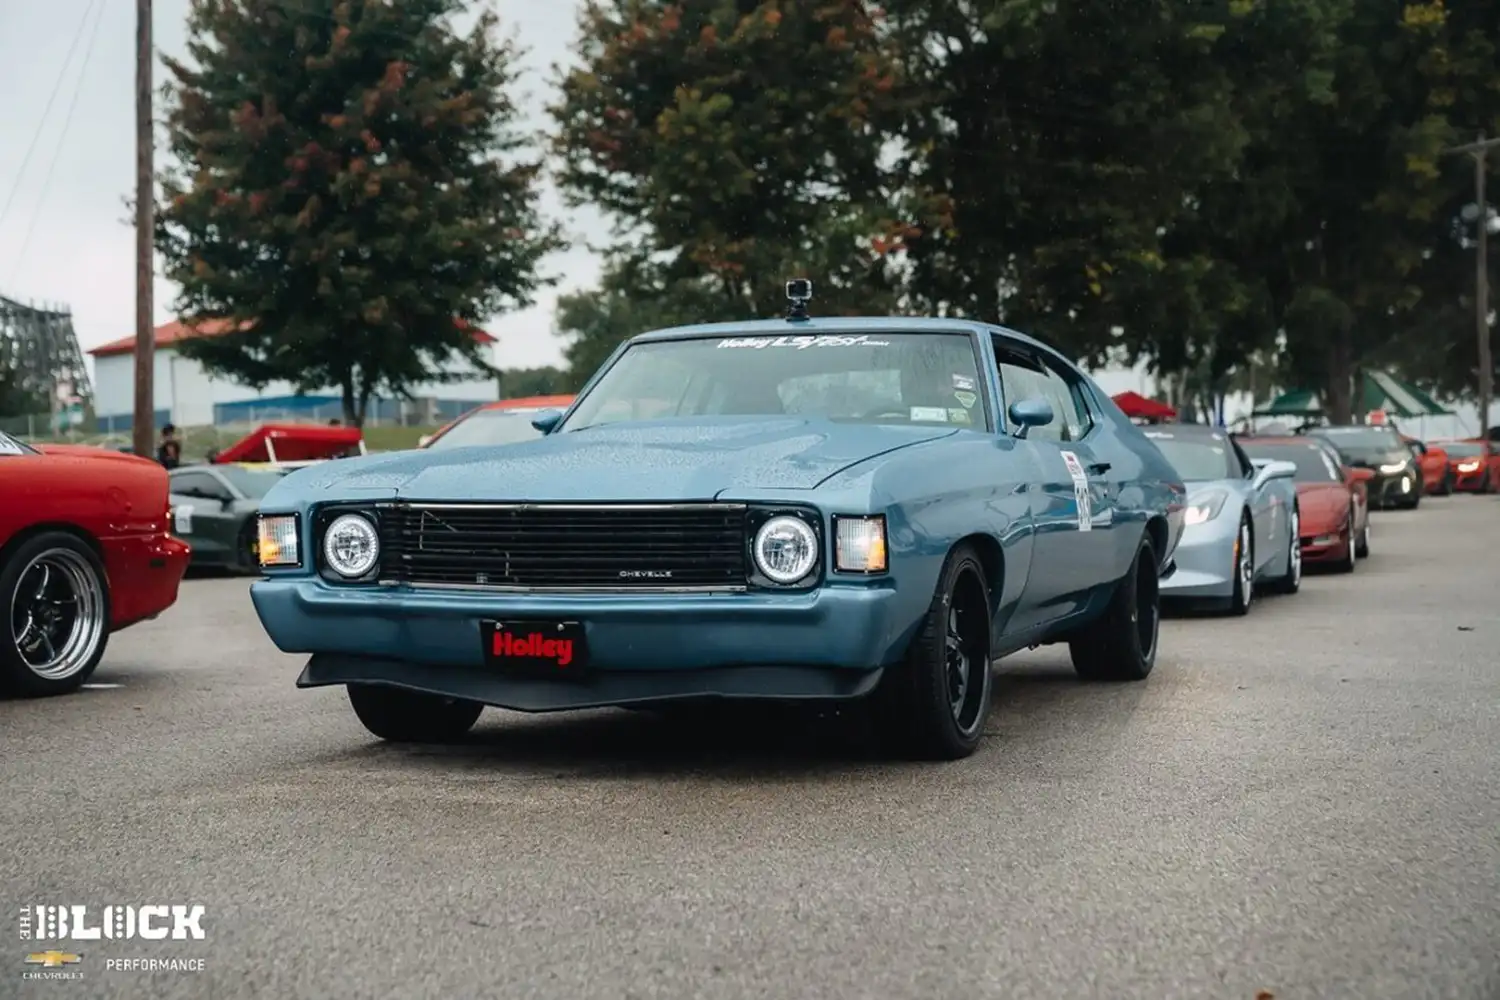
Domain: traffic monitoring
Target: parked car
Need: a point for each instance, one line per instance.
(1334, 505)
(1437, 477)
(1395, 474)
(214, 508)
(84, 553)
(1474, 465)
(506, 421)
(835, 510)
(1241, 530)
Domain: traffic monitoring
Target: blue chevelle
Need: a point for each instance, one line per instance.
(797, 510)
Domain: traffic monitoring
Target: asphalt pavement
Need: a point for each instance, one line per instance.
(1305, 802)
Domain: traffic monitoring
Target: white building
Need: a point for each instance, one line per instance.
(188, 396)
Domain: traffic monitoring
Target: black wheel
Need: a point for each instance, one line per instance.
(1416, 501)
(1291, 582)
(1362, 546)
(933, 705)
(403, 716)
(1121, 645)
(1351, 548)
(1244, 569)
(53, 590)
(1445, 488)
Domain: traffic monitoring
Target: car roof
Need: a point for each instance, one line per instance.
(832, 324)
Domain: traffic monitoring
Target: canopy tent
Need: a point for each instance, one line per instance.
(1379, 391)
(1138, 407)
(277, 443)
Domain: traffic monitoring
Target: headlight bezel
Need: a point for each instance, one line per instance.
(1211, 504)
(755, 524)
(324, 520)
(268, 539)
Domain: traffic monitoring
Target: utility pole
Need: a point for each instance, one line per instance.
(145, 225)
(1480, 151)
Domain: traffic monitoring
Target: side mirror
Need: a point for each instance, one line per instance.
(1267, 470)
(1029, 413)
(547, 420)
(424, 440)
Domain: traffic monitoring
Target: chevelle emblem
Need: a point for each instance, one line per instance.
(645, 574)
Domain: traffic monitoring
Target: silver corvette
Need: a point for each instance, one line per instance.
(1241, 527)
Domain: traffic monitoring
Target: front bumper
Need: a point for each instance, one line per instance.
(830, 643)
(1470, 482)
(1205, 559)
(1326, 548)
(1399, 490)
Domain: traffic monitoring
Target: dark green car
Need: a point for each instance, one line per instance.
(214, 508)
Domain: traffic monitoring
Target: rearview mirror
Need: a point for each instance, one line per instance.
(547, 420)
(1029, 413)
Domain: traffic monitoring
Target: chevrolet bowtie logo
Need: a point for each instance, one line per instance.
(52, 959)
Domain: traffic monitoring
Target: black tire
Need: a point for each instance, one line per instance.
(1351, 549)
(1445, 488)
(1243, 594)
(1121, 644)
(1416, 501)
(928, 707)
(1291, 581)
(75, 591)
(402, 716)
(1362, 544)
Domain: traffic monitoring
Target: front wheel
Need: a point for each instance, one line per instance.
(1362, 547)
(402, 716)
(1244, 569)
(1121, 645)
(1351, 548)
(53, 590)
(1445, 488)
(934, 704)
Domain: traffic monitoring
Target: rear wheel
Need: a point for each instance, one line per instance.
(403, 716)
(56, 624)
(1291, 582)
(1121, 645)
(934, 704)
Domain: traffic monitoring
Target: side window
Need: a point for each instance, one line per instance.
(1021, 378)
(1069, 401)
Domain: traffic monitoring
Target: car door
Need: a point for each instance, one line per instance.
(1070, 498)
(201, 513)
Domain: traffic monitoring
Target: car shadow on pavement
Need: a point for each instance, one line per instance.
(742, 741)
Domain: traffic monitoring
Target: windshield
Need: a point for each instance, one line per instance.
(253, 483)
(490, 427)
(1461, 449)
(1199, 460)
(1312, 461)
(1362, 440)
(926, 378)
(10, 446)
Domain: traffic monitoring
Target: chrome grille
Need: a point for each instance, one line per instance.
(622, 547)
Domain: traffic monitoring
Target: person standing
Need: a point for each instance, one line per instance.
(169, 452)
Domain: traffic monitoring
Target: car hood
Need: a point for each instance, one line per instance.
(92, 453)
(654, 460)
(1322, 505)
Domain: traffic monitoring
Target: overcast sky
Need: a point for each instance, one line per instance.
(65, 236)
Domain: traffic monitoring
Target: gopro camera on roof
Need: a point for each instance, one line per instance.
(799, 291)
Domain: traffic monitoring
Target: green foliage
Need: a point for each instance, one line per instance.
(736, 144)
(546, 381)
(350, 191)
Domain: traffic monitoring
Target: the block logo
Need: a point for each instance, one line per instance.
(152, 922)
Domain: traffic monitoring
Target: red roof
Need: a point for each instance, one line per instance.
(1135, 405)
(293, 443)
(170, 333)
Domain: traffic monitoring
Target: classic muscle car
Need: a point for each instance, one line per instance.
(84, 552)
(814, 510)
(1242, 520)
(1334, 509)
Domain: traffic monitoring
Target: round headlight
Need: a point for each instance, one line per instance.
(351, 546)
(786, 549)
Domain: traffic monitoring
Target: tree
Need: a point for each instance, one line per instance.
(351, 194)
(545, 381)
(736, 143)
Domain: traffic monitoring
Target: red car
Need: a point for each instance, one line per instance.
(84, 552)
(507, 421)
(1331, 498)
(1433, 461)
(1473, 465)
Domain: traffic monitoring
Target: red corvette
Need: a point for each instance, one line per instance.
(1433, 461)
(84, 552)
(1332, 499)
(1473, 465)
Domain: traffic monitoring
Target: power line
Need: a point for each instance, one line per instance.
(41, 126)
(62, 140)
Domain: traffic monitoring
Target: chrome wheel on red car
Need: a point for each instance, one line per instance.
(58, 615)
